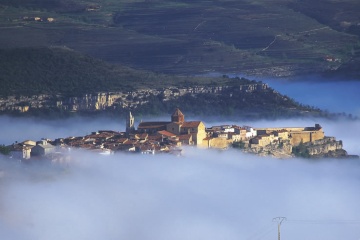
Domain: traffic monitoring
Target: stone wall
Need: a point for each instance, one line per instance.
(263, 131)
(297, 135)
(305, 136)
(219, 143)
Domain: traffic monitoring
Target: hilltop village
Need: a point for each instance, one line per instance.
(170, 136)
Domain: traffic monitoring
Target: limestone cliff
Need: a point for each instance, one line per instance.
(113, 100)
(327, 147)
(281, 149)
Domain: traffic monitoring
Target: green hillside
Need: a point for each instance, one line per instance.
(277, 37)
(64, 73)
(29, 71)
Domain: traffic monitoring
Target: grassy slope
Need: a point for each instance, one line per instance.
(342, 16)
(28, 71)
(182, 36)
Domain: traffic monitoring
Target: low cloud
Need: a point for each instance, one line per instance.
(204, 194)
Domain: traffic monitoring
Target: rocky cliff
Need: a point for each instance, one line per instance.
(328, 147)
(281, 149)
(123, 100)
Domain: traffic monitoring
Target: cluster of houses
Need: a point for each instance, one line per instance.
(39, 19)
(166, 137)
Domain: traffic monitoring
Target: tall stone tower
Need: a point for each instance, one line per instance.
(178, 116)
(130, 124)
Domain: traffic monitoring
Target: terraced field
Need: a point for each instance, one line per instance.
(279, 37)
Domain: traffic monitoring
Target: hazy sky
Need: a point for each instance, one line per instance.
(205, 194)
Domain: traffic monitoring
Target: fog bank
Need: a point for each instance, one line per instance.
(20, 129)
(204, 195)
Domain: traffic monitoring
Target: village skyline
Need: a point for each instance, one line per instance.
(151, 137)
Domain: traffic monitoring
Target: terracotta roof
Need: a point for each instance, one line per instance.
(154, 138)
(141, 136)
(177, 113)
(185, 137)
(152, 124)
(121, 140)
(192, 124)
(130, 142)
(176, 123)
(100, 135)
(166, 133)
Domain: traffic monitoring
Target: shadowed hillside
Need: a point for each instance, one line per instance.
(29, 71)
(279, 38)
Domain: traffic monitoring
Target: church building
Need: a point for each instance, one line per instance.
(178, 126)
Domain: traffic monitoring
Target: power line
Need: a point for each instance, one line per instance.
(310, 221)
(261, 232)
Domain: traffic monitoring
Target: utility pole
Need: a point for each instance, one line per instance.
(279, 220)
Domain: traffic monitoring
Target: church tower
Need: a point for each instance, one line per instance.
(178, 116)
(130, 124)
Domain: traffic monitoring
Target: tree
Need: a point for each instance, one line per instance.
(4, 150)
(301, 151)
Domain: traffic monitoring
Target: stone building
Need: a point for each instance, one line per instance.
(177, 126)
(262, 140)
(152, 127)
(296, 135)
(42, 148)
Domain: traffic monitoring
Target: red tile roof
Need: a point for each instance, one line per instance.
(177, 113)
(155, 138)
(166, 133)
(185, 137)
(121, 140)
(141, 136)
(152, 124)
(192, 124)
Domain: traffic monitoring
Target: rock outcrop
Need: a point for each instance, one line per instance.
(113, 100)
(281, 149)
(328, 147)
(324, 146)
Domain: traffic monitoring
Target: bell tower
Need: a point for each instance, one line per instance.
(130, 123)
(178, 116)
